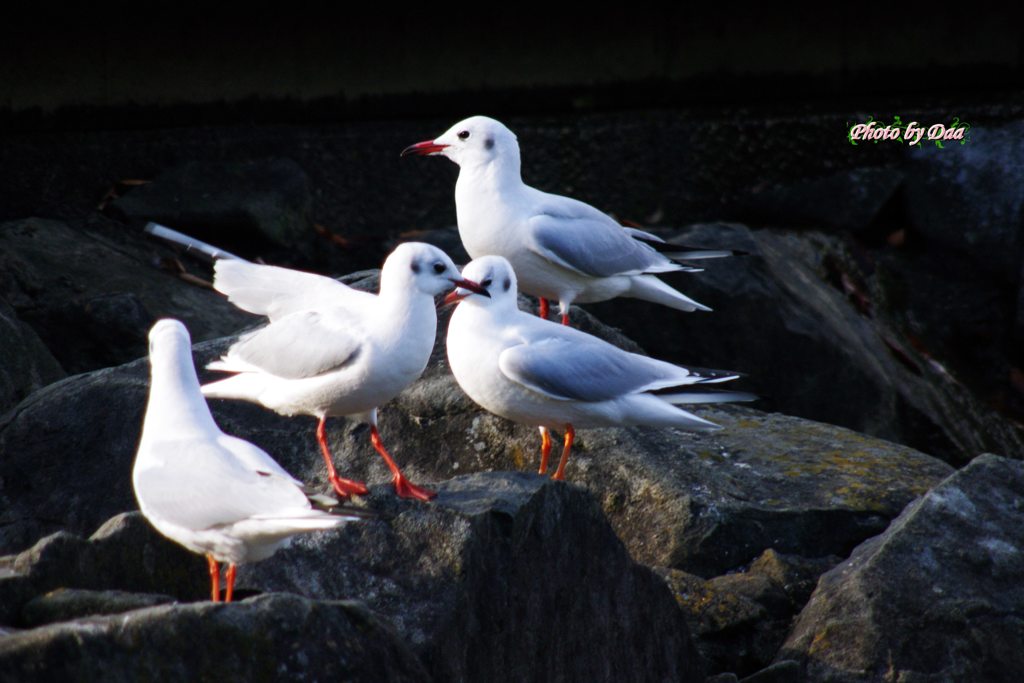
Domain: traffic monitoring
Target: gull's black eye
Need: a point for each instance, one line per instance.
(463, 134)
(440, 267)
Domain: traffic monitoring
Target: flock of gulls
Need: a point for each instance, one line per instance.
(329, 350)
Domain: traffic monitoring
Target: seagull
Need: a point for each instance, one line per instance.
(561, 248)
(534, 371)
(215, 494)
(331, 350)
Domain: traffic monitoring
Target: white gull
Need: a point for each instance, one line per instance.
(215, 494)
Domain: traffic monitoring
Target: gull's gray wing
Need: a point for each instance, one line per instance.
(300, 345)
(587, 370)
(276, 292)
(198, 485)
(592, 245)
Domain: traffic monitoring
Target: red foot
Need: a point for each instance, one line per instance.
(565, 319)
(543, 312)
(406, 489)
(348, 487)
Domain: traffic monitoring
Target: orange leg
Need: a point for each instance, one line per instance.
(570, 434)
(214, 578)
(403, 487)
(343, 487)
(543, 312)
(565, 319)
(230, 576)
(545, 449)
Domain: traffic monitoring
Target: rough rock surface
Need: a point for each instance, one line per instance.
(231, 204)
(28, 365)
(466, 581)
(92, 292)
(967, 195)
(937, 597)
(764, 481)
(739, 620)
(268, 638)
(125, 554)
(796, 316)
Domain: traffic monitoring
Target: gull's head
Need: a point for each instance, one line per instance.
(423, 267)
(166, 335)
(495, 278)
(475, 141)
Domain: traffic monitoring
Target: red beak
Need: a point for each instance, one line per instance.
(469, 288)
(425, 148)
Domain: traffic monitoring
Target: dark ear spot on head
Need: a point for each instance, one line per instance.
(507, 284)
(415, 267)
(489, 143)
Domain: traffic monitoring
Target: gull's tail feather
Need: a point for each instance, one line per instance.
(679, 397)
(650, 288)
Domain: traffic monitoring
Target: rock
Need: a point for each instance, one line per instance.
(92, 291)
(126, 554)
(243, 206)
(807, 295)
(936, 597)
(967, 196)
(466, 581)
(847, 200)
(740, 620)
(28, 364)
(66, 604)
(702, 503)
(268, 638)
(786, 671)
(505, 577)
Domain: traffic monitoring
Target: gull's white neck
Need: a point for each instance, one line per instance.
(497, 175)
(176, 406)
(407, 314)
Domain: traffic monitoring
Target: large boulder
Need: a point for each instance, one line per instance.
(937, 597)
(705, 503)
(466, 581)
(966, 195)
(91, 291)
(820, 339)
(28, 364)
(267, 638)
(245, 205)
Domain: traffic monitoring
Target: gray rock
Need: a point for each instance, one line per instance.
(268, 638)
(739, 620)
(27, 365)
(937, 597)
(66, 604)
(92, 291)
(782, 316)
(703, 503)
(125, 554)
(967, 196)
(847, 200)
(236, 205)
(466, 581)
(505, 577)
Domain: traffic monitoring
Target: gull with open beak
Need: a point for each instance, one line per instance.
(538, 372)
(561, 249)
(331, 350)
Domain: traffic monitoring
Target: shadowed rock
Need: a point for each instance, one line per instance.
(937, 596)
(819, 340)
(247, 205)
(506, 577)
(268, 638)
(91, 292)
(27, 365)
